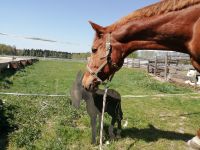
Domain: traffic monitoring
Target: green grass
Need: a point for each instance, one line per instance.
(160, 123)
(49, 77)
(138, 82)
(36, 122)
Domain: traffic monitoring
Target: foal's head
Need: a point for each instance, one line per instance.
(106, 58)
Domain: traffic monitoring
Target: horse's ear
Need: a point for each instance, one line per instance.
(99, 29)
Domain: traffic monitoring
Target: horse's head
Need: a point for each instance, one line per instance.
(106, 58)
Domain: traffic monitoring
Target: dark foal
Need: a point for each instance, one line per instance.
(94, 104)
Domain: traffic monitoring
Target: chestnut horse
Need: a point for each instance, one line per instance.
(167, 25)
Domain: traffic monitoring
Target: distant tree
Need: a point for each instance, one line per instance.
(7, 49)
(80, 55)
(12, 50)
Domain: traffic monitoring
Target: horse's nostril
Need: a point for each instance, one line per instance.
(90, 86)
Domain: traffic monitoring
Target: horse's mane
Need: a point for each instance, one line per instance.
(153, 10)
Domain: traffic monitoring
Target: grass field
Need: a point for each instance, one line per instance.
(39, 122)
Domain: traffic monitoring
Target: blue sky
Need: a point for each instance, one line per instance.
(65, 21)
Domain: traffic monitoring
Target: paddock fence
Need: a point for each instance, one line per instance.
(15, 63)
(166, 67)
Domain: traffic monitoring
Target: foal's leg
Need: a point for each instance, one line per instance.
(111, 127)
(119, 128)
(100, 127)
(93, 125)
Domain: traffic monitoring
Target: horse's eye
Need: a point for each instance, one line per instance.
(94, 50)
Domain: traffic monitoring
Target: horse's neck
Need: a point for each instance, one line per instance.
(164, 32)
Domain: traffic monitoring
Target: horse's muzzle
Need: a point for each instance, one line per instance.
(89, 82)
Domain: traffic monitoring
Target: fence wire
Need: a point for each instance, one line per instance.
(123, 96)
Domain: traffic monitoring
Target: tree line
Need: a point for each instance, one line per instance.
(7, 49)
(11, 50)
(45, 53)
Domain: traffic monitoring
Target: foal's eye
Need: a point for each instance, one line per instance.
(94, 50)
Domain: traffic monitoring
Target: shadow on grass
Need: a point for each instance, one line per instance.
(6, 123)
(7, 73)
(4, 81)
(152, 134)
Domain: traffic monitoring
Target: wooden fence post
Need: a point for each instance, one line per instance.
(132, 65)
(155, 66)
(148, 66)
(166, 66)
(139, 63)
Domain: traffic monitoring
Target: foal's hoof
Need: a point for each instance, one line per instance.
(112, 136)
(107, 142)
(118, 137)
(93, 143)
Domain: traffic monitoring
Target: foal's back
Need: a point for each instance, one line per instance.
(113, 101)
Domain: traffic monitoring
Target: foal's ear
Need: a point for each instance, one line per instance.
(99, 29)
(79, 76)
